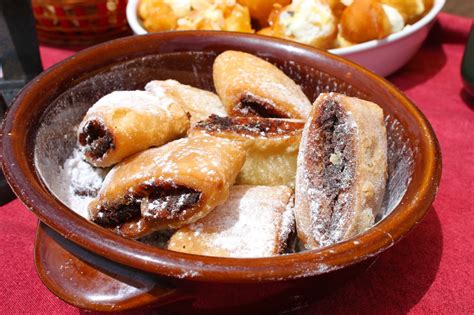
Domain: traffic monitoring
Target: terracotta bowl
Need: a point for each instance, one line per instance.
(93, 268)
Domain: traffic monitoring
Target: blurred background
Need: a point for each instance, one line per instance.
(460, 7)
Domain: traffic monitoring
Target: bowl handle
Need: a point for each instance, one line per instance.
(92, 282)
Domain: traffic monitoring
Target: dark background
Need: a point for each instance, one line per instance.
(460, 7)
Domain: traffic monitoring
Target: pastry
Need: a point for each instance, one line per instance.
(337, 7)
(385, 20)
(157, 15)
(341, 171)
(250, 86)
(272, 146)
(260, 9)
(255, 221)
(217, 15)
(365, 20)
(199, 104)
(125, 122)
(167, 187)
(309, 22)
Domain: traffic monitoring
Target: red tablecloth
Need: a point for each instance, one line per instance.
(431, 271)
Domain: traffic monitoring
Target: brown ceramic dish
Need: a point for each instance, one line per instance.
(38, 135)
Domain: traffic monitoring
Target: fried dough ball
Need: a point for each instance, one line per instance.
(261, 9)
(337, 7)
(156, 15)
(364, 20)
(238, 20)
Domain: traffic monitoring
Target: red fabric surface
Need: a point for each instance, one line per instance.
(431, 271)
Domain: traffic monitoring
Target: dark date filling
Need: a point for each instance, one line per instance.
(96, 139)
(110, 216)
(254, 126)
(169, 203)
(337, 152)
(165, 201)
(250, 105)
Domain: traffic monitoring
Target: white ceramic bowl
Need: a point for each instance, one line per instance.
(383, 56)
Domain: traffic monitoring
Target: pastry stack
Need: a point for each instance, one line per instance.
(247, 172)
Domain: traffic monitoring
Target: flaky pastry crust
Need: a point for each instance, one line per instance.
(342, 170)
(169, 186)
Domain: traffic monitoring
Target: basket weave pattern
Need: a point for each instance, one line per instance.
(79, 22)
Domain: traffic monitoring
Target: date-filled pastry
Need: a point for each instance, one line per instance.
(125, 122)
(342, 170)
(255, 221)
(200, 104)
(250, 86)
(272, 146)
(167, 187)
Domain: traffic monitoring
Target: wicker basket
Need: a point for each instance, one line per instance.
(79, 22)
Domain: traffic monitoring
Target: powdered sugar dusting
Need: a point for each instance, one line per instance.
(287, 222)
(82, 180)
(200, 104)
(317, 220)
(138, 100)
(235, 74)
(249, 224)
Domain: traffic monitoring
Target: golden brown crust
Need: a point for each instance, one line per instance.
(235, 229)
(125, 122)
(271, 144)
(253, 127)
(250, 86)
(364, 20)
(169, 186)
(260, 9)
(342, 170)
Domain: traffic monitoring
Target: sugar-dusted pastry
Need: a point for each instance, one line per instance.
(272, 146)
(167, 187)
(366, 20)
(342, 170)
(255, 221)
(260, 9)
(200, 104)
(250, 86)
(310, 22)
(125, 122)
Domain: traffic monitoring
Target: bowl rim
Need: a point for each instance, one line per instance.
(137, 27)
(28, 186)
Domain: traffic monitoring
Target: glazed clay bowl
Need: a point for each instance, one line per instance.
(38, 134)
